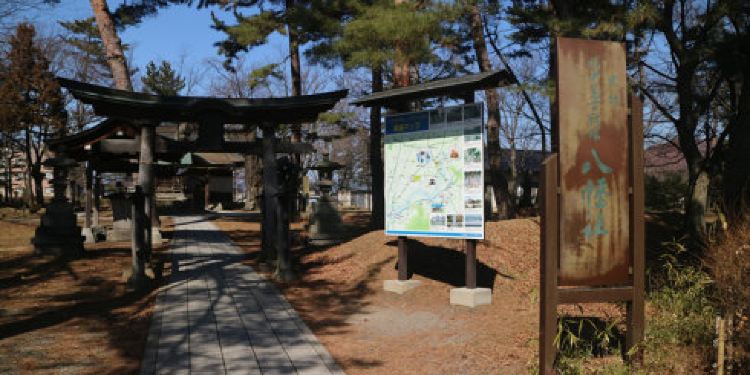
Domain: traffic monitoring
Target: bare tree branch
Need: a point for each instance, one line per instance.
(659, 73)
(493, 43)
(664, 111)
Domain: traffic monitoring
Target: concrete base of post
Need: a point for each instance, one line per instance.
(400, 286)
(88, 235)
(156, 238)
(471, 297)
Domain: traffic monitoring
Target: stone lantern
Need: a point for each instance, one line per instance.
(325, 222)
(58, 232)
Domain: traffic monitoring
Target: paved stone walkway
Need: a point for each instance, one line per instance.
(219, 316)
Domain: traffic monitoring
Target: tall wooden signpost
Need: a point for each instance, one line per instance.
(592, 192)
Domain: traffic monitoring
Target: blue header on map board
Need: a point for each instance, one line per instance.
(407, 123)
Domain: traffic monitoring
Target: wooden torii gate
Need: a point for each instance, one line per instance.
(147, 111)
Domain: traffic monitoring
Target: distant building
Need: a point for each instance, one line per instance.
(528, 167)
(18, 172)
(665, 159)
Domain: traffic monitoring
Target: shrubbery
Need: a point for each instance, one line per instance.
(680, 328)
(665, 193)
(730, 267)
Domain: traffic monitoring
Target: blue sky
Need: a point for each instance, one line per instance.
(174, 32)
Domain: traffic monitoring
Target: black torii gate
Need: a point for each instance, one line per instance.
(146, 111)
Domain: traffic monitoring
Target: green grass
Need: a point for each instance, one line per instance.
(679, 325)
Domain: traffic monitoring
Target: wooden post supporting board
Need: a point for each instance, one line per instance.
(403, 260)
(470, 295)
(635, 307)
(548, 272)
(471, 264)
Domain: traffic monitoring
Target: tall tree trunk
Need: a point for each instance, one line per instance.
(513, 180)
(736, 189)
(8, 171)
(252, 176)
(695, 207)
(376, 158)
(36, 173)
(28, 180)
(8, 181)
(253, 173)
(497, 178)
(296, 72)
(112, 45)
(401, 73)
(9, 186)
(561, 12)
(698, 177)
(294, 61)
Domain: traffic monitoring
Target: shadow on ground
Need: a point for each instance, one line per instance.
(325, 306)
(444, 264)
(46, 298)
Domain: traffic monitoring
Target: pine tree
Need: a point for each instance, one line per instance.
(162, 80)
(88, 62)
(683, 90)
(377, 35)
(691, 36)
(254, 30)
(31, 105)
(113, 48)
(89, 50)
(385, 34)
(474, 24)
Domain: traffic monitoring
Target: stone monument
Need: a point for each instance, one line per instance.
(122, 222)
(121, 217)
(58, 232)
(325, 222)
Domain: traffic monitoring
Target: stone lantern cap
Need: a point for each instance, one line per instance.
(325, 165)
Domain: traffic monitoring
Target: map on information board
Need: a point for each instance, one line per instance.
(434, 173)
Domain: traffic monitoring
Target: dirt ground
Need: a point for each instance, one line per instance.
(76, 317)
(370, 331)
(68, 316)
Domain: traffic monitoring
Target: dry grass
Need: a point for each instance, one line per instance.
(17, 234)
(730, 267)
(70, 317)
(17, 228)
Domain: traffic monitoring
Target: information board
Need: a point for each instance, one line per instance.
(594, 174)
(434, 175)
